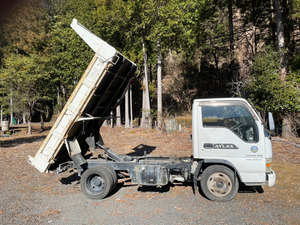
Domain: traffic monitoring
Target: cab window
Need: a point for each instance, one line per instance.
(237, 118)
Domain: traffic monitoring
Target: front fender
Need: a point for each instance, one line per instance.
(222, 162)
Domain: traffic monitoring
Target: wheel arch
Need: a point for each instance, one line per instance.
(210, 162)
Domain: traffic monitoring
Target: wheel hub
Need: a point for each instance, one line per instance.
(219, 184)
(95, 184)
(96, 181)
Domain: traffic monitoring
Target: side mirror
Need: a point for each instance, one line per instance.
(271, 122)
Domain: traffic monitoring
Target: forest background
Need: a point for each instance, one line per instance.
(184, 50)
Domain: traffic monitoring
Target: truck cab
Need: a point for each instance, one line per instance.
(227, 132)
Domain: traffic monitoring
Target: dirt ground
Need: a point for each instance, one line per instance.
(29, 197)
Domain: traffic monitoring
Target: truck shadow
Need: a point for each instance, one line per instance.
(242, 189)
(252, 189)
(163, 189)
(75, 180)
(141, 150)
(70, 179)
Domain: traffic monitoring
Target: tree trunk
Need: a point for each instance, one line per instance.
(127, 109)
(280, 38)
(159, 85)
(131, 113)
(64, 93)
(104, 123)
(24, 117)
(287, 131)
(1, 114)
(11, 110)
(29, 127)
(47, 114)
(146, 120)
(111, 119)
(231, 37)
(58, 96)
(29, 122)
(272, 24)
(42, 121)
(287, 127)
(118, 115)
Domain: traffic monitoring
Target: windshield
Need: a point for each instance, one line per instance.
(235, 117)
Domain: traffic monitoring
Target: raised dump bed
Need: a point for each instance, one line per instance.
(99, 91)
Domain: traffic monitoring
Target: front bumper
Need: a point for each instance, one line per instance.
(271, 178)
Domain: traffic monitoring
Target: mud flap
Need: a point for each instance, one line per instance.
(196, 175)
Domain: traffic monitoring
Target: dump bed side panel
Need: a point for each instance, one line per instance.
(69, 114)
(98, 92)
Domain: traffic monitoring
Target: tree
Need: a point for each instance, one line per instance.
(159, 85)
(173, 22)
(118, 116)
(287, 118)
(189, 43)
(230, 21)
(281, 43)
(27, 80)
(268, 91)
(127, 124)
(125, 25)
(68, 54)
(39, 32)
(25, 34)
(146, 117)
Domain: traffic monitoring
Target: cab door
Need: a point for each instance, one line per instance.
(230, 132)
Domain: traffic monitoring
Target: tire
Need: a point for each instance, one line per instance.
(96, 182)
(114, 176)
(218, 183)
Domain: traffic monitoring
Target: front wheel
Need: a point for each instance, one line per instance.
(219, 183)
(96, 182)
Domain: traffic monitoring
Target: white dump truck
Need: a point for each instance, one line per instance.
(231, 145)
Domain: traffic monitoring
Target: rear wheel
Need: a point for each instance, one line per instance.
(114, 176)
(218, 183)
(96, 182)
